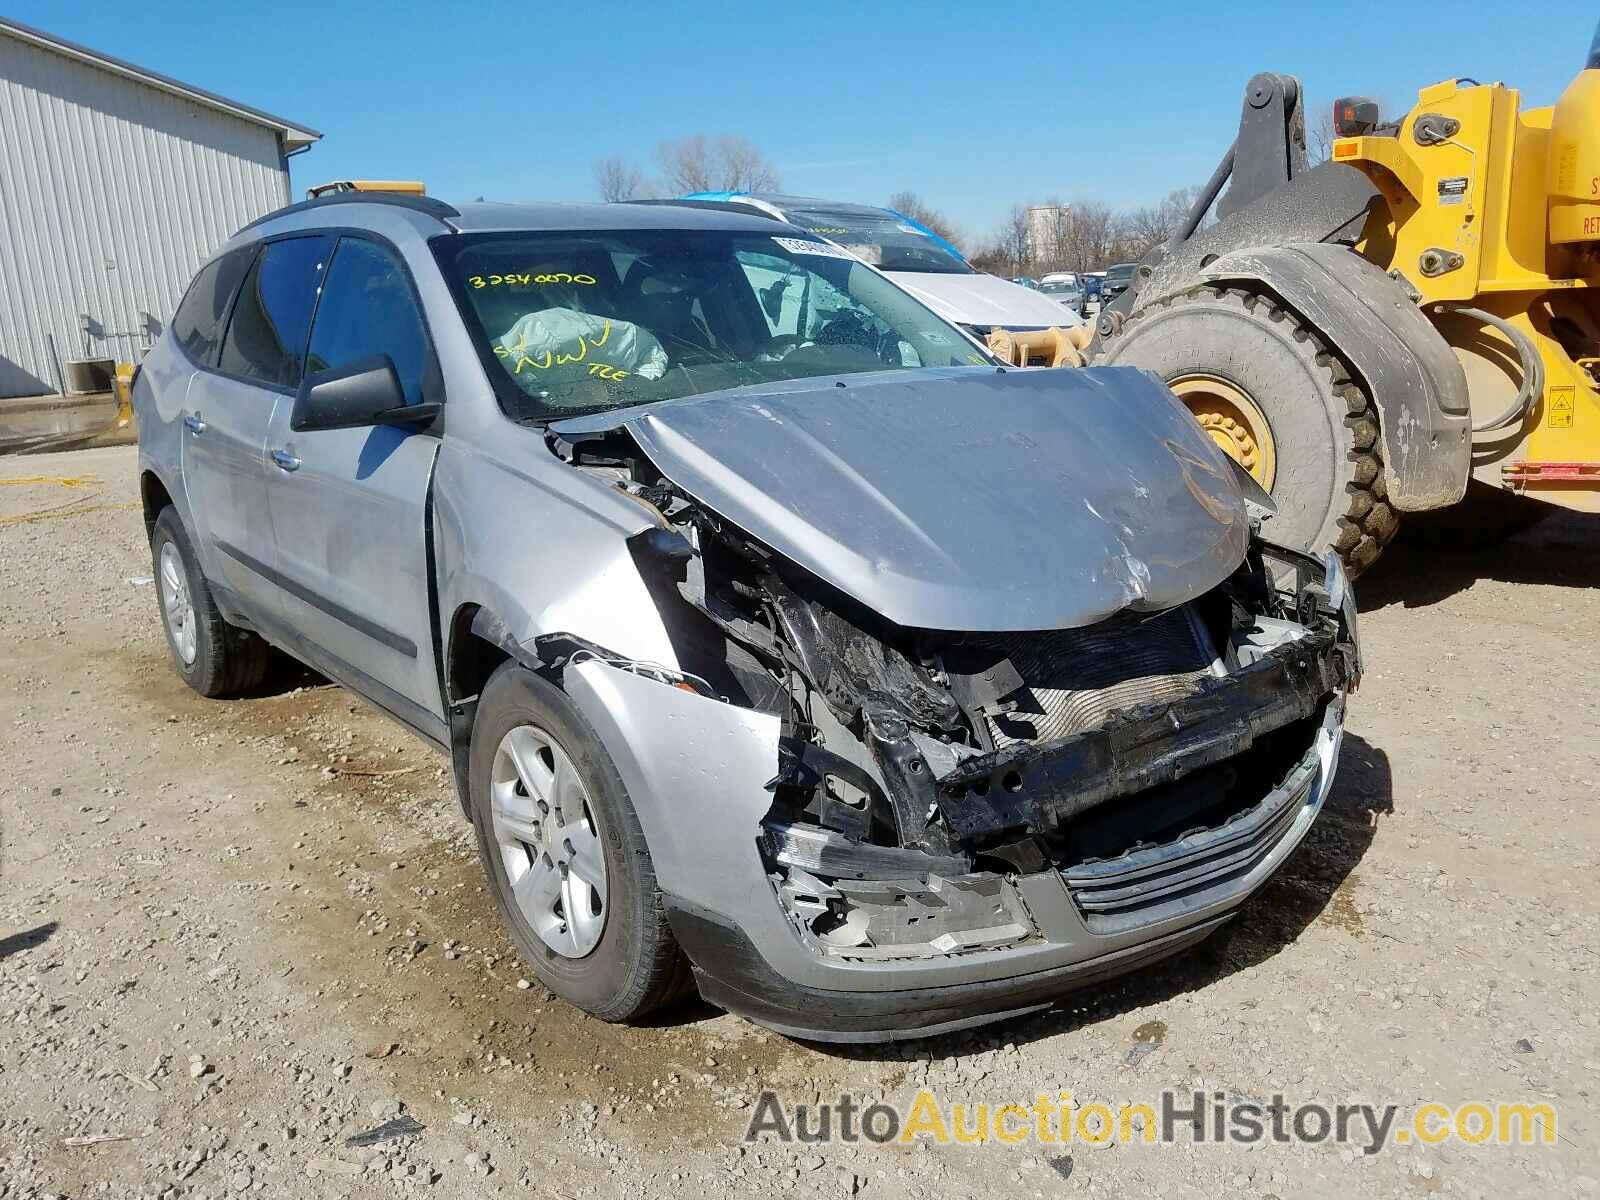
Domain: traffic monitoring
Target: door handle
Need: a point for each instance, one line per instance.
(193, 423)
(285, 460)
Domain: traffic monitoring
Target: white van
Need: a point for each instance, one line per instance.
(912, 255)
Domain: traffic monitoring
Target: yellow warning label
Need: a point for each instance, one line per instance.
(1563, 402)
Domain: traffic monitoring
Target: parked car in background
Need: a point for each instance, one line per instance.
(1065, 288)
(1026, 281)
(912, 255)
(773, 632)
(1117, 279)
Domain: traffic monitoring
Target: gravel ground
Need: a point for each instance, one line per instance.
(234, 934)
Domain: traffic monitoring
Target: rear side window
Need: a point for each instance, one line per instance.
(266, 337)
(197, 325)
(367, 309)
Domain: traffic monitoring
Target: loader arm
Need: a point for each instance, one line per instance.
(1311, 366)
(1273, 198)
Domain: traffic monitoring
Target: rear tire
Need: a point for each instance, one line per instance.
(635, 965)
(215, 658)
(1329, 472)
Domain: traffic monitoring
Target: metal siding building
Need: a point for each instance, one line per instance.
(115, 185)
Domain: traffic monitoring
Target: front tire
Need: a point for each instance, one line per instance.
(564, 852)
(1320, 443)
(215, 658)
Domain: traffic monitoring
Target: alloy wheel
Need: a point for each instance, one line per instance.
(177, 605)
(543, 823)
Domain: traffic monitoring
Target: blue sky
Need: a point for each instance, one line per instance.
(973, 108)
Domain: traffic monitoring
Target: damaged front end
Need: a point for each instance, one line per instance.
(1113, 734)
(925, 783)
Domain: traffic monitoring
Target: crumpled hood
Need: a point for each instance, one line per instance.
(962, 498)
(980, 299)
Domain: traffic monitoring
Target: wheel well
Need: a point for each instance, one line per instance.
(473, 658)
(154, 495)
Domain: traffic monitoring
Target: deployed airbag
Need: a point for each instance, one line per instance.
(560, 345)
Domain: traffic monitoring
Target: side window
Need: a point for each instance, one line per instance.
(267, 336)
(197, 325)
(802, 304)
(778, 286)
(367, 309)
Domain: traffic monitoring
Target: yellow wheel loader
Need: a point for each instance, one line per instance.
(1370, 335)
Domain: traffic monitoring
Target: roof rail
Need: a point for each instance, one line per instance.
(738, 206)
(430, 205)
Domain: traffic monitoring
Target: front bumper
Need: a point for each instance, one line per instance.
(696, 770)
(744, 982)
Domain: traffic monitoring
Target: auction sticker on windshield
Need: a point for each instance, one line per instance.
(806, 246)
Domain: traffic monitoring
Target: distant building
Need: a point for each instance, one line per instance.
(115, 185)
(1044, 222)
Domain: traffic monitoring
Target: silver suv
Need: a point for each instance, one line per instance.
(785, 645)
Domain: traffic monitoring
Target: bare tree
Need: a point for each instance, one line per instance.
(1138, 230)
(1080, 235)
(912, 205)
(1089, 240)
(701, 164)
(744, 167)
(1143, 229)
(990, 259)
(618, 179)
(1319, 137)
(1015, 241)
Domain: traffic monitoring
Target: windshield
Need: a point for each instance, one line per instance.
(571, 323)
(887, 241)
(1058, 287)
(1120, 273)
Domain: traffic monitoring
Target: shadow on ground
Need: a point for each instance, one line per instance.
(1439, 554)
(1304, 889)
(27, 939)
(285, 675)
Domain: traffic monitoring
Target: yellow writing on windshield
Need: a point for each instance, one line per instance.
(528, 279)
(517, 356)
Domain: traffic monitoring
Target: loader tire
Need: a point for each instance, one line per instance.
(1328, 479)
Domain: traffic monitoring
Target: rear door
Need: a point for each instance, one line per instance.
(229, 408)
(350, 506)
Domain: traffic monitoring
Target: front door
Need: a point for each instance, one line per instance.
(350, 506)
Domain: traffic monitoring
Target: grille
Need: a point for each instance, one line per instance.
(1152, 883)
(1074, 678)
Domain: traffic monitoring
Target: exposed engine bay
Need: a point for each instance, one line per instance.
(921, 773)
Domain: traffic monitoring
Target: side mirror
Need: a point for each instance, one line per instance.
(366, 392)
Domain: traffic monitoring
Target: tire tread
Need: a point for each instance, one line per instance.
(1368, 523)
(231, 661)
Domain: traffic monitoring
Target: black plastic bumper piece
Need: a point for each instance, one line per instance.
(732, 974)
(1038, 786)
